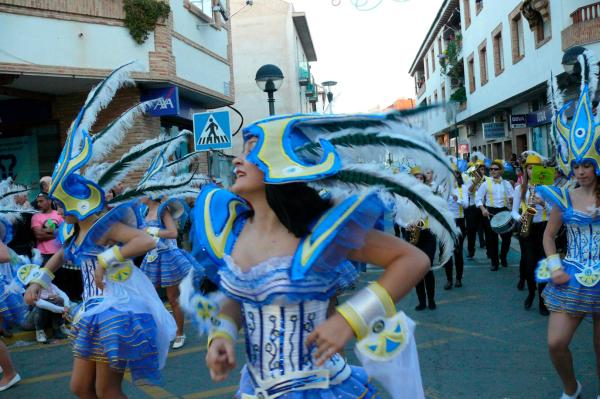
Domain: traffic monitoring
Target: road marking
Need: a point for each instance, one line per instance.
(211, 393)
(455, 330)
(47, 377)
(154, 391)
(460, 299)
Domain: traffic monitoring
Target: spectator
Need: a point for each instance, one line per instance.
(23, 237)
(43, 225)
(45, 183)
(48, 311)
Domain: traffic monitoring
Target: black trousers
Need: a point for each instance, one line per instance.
(458, 254)
(532, 251)
(68, 280)
(427, 243)
(491, 239)
(474, 227)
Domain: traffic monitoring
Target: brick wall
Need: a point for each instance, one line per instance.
(581, 33)
(92, 8)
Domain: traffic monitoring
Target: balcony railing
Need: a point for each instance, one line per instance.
(421, 89)
(585, 13)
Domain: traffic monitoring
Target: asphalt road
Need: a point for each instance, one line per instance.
(479, 343)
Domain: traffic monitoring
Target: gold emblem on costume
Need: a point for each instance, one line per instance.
(543, 272)
(387, 338)
(121, 273)
(588, 277)
(152, 255)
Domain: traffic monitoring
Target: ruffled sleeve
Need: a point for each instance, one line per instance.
(175, 206)
(557, 196)
(337, 232)
(126, 213)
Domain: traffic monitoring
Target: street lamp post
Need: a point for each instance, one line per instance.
(269, 79)
(328, 85)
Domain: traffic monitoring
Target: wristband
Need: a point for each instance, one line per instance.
(223, 327)
(153, 231)
(110, 257)
(554, 263)
(43, 277)
(366, 305)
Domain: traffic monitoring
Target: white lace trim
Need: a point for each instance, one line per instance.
(260, 269)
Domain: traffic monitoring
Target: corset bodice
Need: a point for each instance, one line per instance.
(583, 244)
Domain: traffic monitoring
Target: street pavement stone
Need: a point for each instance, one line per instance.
(479, 343)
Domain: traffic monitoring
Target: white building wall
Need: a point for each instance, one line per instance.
(202, 33)
(69, 43)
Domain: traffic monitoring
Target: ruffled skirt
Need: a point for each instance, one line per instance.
(356, 386)
(128, 328)
(167, 267)
(572, 297)
(12, 306)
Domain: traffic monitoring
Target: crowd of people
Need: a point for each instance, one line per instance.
(280, 246)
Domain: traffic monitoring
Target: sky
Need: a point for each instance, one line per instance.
(368, 53)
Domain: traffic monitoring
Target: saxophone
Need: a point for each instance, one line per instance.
(415, 232)
(528, 214)
(476, 178)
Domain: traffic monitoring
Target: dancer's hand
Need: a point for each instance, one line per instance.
(33, 293)
(99, 277)
(330, 337)
(220, 358)
(560, 277)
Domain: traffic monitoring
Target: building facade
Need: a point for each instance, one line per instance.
(489, 61)
(272, 32)
(53, 52)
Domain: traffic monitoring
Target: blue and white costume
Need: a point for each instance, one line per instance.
(126, 325)
(166, 265)
(12, 306)
(284, 299)
(581, 294)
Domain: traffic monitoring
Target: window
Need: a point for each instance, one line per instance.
(443, 93)
(498, 50)
(543, 32)
(516, 35)
(426, 68)
(200, 8)
(432, 60)
(440, 45)
(471, 68)
(467, 13)
(435, 97)
(483, 74)
(478, 6)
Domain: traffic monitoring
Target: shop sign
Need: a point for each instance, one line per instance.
(518, 121)
(463, 148)
(493, 130)
(541, 117)
(212, 131)
(167, 103)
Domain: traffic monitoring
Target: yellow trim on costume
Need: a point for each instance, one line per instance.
(308, 247)
(490, 184)
(272, 152)
(43, 277)
(118, 255)
(218, 334)
(460, 208)
(356, 322)
(384, 297)
(217, 242)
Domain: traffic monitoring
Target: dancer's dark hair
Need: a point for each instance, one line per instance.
(296, 205)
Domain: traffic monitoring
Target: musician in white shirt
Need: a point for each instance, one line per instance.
(457, 203)
(495, 195)
(531, 238)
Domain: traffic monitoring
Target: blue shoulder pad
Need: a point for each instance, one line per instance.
(65, 232)
(218, 217)
(175, 206)
(6, 231)
(329, 226)
(557, 196)
(126, 213)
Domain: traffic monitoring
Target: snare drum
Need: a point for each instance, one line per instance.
(503, 222)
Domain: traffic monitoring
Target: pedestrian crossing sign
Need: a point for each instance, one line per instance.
(212, 131)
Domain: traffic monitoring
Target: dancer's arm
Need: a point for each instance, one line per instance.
(404, 264)
(220, 356)
(552, 228)
(4, 255)
(54, 263)
(170, 230)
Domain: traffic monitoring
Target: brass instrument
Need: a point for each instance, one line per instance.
(476, 178)
(415, 232)
(528, 214)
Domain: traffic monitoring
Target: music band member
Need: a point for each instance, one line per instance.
(494, 195)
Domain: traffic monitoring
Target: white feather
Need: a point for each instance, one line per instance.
(114, 136)
(593, 68)
(404, 210)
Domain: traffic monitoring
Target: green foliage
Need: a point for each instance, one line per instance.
(460, 95)
(141, 17)
(450, 62)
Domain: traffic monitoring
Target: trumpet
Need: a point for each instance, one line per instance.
(528, 214)
(415, 232)
(476, 178)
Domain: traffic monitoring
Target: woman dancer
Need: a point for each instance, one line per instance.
(167, 265)
(282, 251)
(457, 203)
(526, 202)
(121, 323)
(574, 288)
